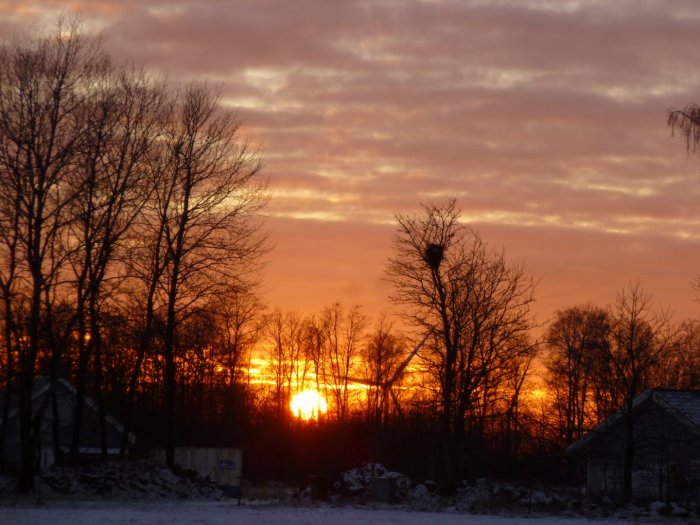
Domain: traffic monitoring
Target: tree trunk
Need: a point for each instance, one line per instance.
(169, 375)
(628, 464)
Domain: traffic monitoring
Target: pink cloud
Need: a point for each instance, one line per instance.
(548, 123)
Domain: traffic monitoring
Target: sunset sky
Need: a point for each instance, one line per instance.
(545, 118)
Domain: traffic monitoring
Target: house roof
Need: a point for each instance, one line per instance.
(40, 389)
(684, 405)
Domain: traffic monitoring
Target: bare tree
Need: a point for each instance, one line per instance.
(381, 358)
(343, 332)
(472, 302)
(44, 85)
(686, 121)
(516, 372)
(203, 217)
(315, 354)
(239, 318)
(125, 119)
(10, 273)
(682, 364)
(639, 339)
(285, 356)
(577, 340)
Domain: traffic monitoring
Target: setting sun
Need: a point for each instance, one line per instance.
(539, 394)
(308, 405)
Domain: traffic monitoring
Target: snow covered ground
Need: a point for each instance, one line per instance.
(228, 513)
(146, 493)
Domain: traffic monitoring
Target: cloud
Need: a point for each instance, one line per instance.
(546, 119)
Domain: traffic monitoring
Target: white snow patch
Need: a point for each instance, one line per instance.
(218, 513)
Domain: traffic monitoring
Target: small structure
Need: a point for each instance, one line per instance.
(223, 466)
(66, 398)
(666, 443)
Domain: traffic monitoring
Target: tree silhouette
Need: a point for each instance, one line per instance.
(472, 303)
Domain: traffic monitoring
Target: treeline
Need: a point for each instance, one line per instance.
(519, 402)
(385, 388)
(129, 247)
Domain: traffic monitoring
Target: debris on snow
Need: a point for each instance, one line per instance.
(374, 481)
(370, 484)
(124, 480)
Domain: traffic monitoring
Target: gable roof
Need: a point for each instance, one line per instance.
(683, 405)
(40, 392)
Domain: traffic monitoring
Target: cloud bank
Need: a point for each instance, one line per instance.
(545, 118)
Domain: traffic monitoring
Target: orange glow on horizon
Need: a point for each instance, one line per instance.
(308, 404)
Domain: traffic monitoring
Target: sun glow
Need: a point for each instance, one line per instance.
(308, 405)
(539, 394)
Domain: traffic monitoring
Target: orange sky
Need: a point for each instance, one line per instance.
(545, 118)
